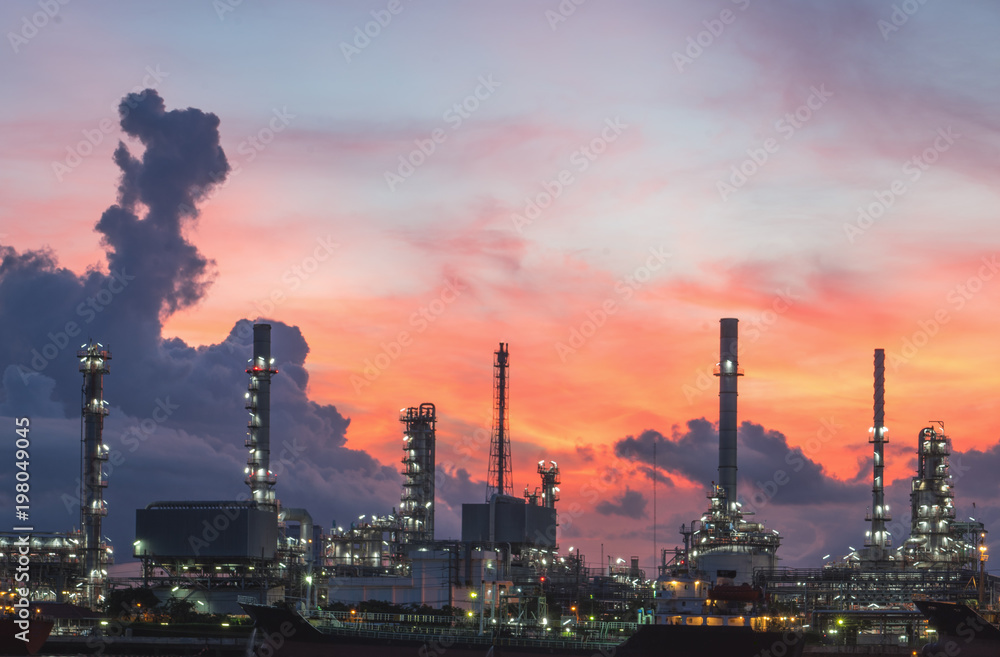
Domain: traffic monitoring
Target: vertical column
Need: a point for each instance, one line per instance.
(879, 539)
(93, 365)
(259, 477)
(728, 372)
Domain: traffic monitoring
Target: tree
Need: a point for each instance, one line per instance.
(180, 611)
(130, 604)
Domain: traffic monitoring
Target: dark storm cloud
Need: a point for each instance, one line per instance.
(178, 422)
(631, 504)
(456, 487)
(769, 470)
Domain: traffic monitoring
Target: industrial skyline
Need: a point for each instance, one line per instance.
(401, 189)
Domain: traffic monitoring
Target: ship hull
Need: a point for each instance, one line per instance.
(961, 631)
(38, 633)
(281, 633)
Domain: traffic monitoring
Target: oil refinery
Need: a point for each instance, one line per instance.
(508, 563)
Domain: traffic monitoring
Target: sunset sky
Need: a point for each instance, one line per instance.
(596, 184)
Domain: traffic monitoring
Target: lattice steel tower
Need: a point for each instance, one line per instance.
(499, 482)
(94, 365)
(417, 504)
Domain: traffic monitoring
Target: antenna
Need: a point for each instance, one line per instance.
(499, 482)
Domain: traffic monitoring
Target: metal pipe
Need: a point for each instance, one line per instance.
(301, 516)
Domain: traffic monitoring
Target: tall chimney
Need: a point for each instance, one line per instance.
(259, 477)
(879, 538)
(728, 370)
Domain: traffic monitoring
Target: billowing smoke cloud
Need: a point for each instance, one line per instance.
(177, 422)
(631, 504)
(770, 471)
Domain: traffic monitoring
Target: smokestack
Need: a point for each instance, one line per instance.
(879, 539)
(728, 370)
(259, 477)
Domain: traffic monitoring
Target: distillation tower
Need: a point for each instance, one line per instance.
(724, 545)
(259, 477)
(548, 494)
(550, 483)
(94, 365)
(937, 540)
(417, 503)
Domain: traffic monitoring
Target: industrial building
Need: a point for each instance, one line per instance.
(723, 544)
(867, 597)
(72, 566)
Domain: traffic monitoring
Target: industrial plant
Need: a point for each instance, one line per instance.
(508, 563)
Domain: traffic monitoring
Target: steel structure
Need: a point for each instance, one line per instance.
(500, 479)
(94, 365)
(877, 539)
(259, 477)
(417, 502)
(936, 539)
(550, 483)
(367, 547)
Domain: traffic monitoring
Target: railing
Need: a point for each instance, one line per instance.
(472, 637)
